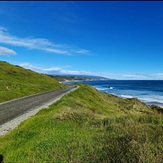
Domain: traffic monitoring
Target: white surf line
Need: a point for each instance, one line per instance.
(8, 126)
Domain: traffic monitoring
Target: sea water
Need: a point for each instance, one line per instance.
(148, 91)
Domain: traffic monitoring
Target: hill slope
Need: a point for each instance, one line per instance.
(88, 126)
(16, 82)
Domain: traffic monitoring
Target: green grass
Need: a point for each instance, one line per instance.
(88, 126)
(18, 82)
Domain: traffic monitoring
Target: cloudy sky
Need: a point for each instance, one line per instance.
(120, 40)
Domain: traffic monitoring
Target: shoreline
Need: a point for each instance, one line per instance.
(146, 101)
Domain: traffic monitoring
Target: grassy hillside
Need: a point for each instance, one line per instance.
(88, 126)
(16, 82)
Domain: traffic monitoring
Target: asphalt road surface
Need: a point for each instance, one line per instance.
(14, 108)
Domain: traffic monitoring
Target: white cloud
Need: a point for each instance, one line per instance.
(6, 51)
(55, 70)
(158, 76)
(38, 43)
(65, 71)
(3, 29)
(137, 76)
(83, 51)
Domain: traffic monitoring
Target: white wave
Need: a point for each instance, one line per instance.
(152, 98)
(101, 89)
(147, 97)
(126, 96)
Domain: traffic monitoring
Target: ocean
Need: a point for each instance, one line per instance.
(147, 91)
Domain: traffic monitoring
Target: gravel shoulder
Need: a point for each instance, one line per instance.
(13, 112)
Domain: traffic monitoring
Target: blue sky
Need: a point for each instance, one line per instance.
(120, 40)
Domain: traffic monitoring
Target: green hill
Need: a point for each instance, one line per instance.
(16, 82)
(88, 126)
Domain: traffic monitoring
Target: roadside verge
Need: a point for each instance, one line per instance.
(10, 125)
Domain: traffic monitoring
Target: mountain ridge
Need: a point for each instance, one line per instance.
(78, 77)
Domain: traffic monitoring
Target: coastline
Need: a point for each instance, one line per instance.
(148, 92)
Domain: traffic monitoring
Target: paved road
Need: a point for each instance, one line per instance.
(14, 108)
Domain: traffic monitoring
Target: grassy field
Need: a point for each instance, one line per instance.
(88, 126)
(17, 82)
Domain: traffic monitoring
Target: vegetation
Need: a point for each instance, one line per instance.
(76, 77)
(62, 78)
(88, 126)
(16, 82)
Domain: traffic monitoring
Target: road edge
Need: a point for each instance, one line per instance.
(8, 126)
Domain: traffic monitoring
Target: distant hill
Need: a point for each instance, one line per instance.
(16, 81)
(77, 77)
